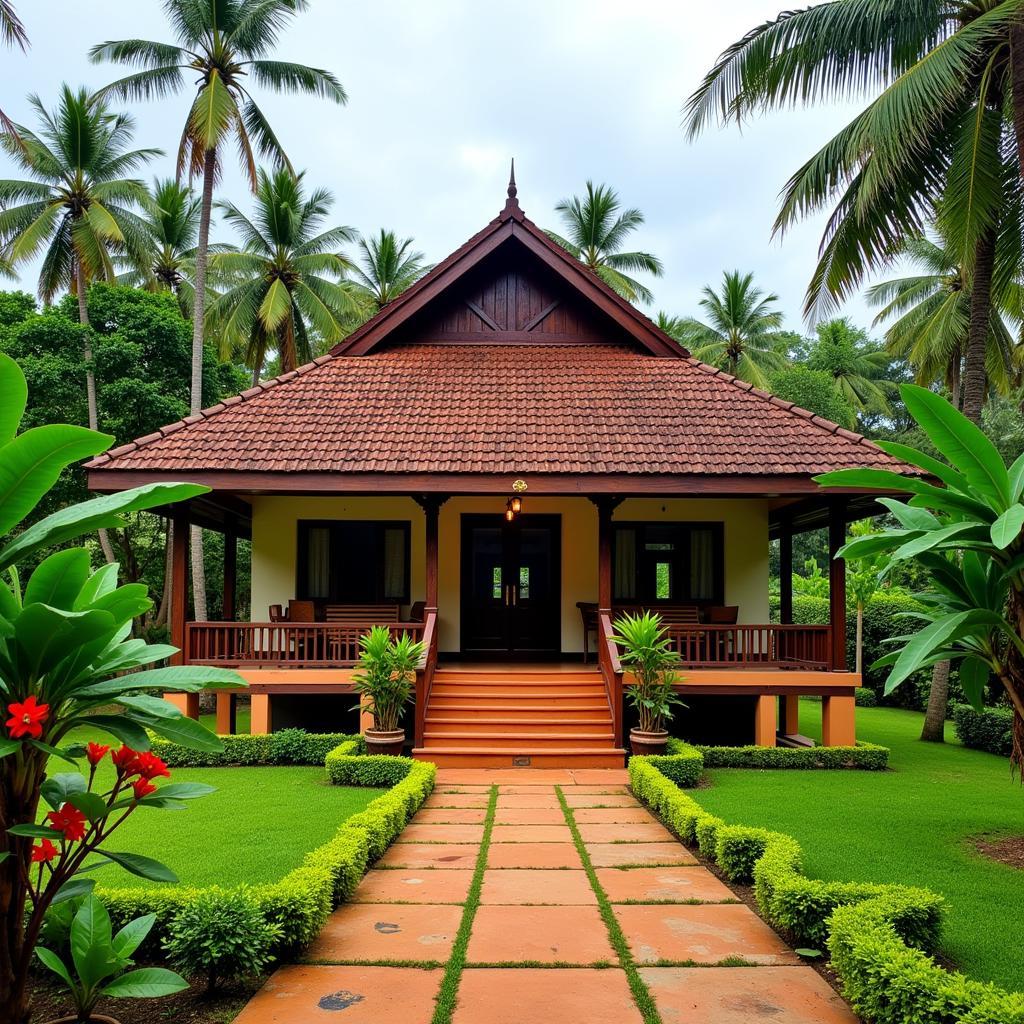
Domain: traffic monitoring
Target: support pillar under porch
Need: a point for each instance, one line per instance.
(838, 722)
(226, 714)
(789, 715)
(765, 721)
(260, 720)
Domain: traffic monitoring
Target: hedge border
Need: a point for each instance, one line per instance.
(868, 757)
(302, 900)
(243, 750)
(990, 729)
(879, 936)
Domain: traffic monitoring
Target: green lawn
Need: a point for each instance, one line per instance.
(256, 827)
(910, 824)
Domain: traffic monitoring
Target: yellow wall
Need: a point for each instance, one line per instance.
(275, 532)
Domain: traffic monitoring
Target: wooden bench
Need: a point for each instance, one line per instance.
(671, 615)
(375, 614)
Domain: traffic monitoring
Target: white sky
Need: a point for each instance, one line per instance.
(442, 94)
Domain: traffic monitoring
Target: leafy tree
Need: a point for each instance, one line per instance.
(387, 266)
(287, 280)
(813, 390)
(15, 307)
(929, 312)
(739, 330)
(596, 232)
(76, 206)
(13, 33)
(974, 601)
(172, 220)
(222, 46)
(934, 145)
(855, 364)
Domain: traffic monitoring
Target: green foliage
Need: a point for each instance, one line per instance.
(679, 765)
(888, 615)
(100, 961)
(222, 936)
(865, 697)
(387, 266)
(646, 650)
(290, 746)
(879, 936)
(386, 675)
(683, 763)
(813, 390)
(988, 729)
(15, 307)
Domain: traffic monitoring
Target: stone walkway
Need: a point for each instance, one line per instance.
(551, 938)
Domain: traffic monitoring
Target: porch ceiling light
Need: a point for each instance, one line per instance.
(517, 504)
(512, 508)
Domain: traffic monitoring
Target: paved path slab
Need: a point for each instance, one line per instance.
(536, 885)
(550, 935)
(361, 932)
(684, 884)
(401, 886)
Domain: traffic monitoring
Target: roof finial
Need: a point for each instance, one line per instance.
(512, 209)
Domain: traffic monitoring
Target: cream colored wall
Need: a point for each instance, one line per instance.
(275, 540)
(275, 532)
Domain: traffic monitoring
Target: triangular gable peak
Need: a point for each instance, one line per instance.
(510, 284)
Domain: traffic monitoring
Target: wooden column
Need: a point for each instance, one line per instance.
(837, 586)
(261, 719)
(226, 714)
(790, 715)
(605, 508)
(230, 573)
(786, 573)
(838, 722)
(187, 702)
(765, 721)
(431, 512)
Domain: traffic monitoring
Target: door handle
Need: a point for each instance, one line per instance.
(515, 594)
(507, 585)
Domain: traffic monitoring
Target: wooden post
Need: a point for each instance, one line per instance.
(838, 722)
(188, 703)
(837, 586)
(765, 721)
(431, 510)
(786, 573)
(604, 556)
(230, 573)
(261, 717)
(790, 716)
(226, 714)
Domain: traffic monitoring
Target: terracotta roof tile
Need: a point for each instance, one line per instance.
(503, 409)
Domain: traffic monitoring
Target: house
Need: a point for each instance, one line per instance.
(499, 460)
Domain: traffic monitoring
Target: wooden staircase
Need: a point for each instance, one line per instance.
(509, 717)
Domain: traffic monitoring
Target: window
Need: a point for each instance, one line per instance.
(670, 562)
(353, 562)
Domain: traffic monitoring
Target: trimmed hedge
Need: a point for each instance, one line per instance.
(864, 757)
(290, 746)
(879, 936)
(990, 729)
(300, 903)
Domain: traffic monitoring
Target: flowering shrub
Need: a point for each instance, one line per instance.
(66, 655)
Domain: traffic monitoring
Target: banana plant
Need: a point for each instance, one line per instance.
(962, 522)
(68, 659)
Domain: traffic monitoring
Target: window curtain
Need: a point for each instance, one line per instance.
(319, 564)
(394, 563)
(625, 564)
(702, 569)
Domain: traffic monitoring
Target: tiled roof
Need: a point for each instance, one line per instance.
(592, 409)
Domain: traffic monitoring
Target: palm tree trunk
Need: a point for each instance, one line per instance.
(198, 327)
(165, 597)
(934, 727)
(1017, 94)
(90, 381)
(979, 326)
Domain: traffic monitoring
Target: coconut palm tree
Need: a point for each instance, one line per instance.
(928, 314)
(77, 206)
(936, 143)
(13, 33)
(172, 220)
(222, 46)
(387, 266)
(855, 364)
(596, 231)
(287, 282)
(673, 326)
(740, 330)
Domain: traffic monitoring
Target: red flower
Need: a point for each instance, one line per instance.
(143, 787)
(69, 820)
(150, 766)
(95, 752)
(43, 852)
(126, 761)
(27, 718)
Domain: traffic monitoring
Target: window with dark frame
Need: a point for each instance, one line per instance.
(670, 563)
(349, 561)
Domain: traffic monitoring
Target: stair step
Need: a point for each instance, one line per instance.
(503, 741)
(486, 718)
(519, 711)
(471, 693)
(525, 757)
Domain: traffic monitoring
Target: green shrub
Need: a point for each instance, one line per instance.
(290, 746)
(864, 756)
(884, 618)
(879, 936)
(221, 936)
(865, 697)
(990, 729)
(683, 764)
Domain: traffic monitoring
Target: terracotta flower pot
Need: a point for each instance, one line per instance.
(96, 1018)
(385, 741)
(641, 742)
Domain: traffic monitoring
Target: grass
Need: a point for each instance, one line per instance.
(256, 827)
(911, 824)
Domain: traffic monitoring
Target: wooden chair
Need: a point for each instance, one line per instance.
(301, 611)
(373, 614)
(722, 615)
(417, 611)
(277, 613)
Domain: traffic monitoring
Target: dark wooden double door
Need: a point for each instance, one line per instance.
(511, 585)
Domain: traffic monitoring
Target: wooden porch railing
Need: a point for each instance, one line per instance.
(283, 644)
(425, 673)
(611, 671)
(753, 646)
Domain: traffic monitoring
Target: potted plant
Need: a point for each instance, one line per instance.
(647, 651)
(386, 683)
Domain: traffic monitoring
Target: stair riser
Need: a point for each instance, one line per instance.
(500, 759)
(590, 729)
(449, 675)
(539, 695)
(514, 743)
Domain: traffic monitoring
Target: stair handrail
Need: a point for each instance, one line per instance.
(425, 672)
(611, 670)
